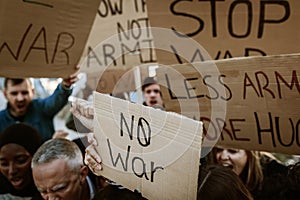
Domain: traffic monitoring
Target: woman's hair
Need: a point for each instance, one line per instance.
(221, 183)
(252, 175)
(23, 135)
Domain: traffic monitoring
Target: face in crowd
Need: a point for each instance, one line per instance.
(18, 96)
(15, 163)
(236, 159)
(152, 95)
(64, 183)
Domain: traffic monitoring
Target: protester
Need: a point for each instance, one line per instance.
(264, 176)
(39, 113)
(152, 94)
(246, 164)
(58, 171)
(219, 183)
(18, 143)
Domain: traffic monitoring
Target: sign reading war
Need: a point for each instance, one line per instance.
(43, 38)
(145, 148)
(262, 97)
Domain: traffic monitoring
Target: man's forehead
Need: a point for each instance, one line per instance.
(54, 172)
(25, 82)
(152, 86)
(56, 166)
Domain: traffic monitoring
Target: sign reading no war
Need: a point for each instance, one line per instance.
(43, 38)
(148, 149)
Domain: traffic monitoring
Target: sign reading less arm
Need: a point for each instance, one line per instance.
(43, 38)
(148, 149)
(262, 96)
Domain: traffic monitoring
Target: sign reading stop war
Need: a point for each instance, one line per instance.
(261, 97)
(43, 38)
(230, 28)
(147, 149)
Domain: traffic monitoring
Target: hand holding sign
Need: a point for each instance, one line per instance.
(92, 158)
(71, 79)
(83, 111)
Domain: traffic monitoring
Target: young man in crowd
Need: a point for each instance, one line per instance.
(39, 113)
(152, 94)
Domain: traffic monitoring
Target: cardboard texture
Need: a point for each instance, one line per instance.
(116, 42)
(227, 29)
(147, 149)
(258, 96)
(43, 38)
(116, 81)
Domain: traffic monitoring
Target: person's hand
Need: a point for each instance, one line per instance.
(92, 158)
(68, 82)
(84, 112)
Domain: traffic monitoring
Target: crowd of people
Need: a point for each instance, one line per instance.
(36, 165)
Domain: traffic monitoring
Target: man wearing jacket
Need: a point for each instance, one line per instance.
(39, 113)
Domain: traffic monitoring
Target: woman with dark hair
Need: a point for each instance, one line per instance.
(220, 183)
(18, 143)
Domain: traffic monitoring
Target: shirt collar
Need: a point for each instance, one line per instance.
(91, 187)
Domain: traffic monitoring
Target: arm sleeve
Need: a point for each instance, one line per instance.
(55, 102)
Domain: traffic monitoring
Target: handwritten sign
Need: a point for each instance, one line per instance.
(227, 29)
(148, 149)
(43, 38)
(261, 94)
(118, 40)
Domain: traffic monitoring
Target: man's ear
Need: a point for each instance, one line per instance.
(83, 173)
(5, 93)
(33, 91)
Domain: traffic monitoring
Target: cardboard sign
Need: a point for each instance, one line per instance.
(227, 29)
(148, 149)
(258, 96)
(116, 81)
(43, 38)
(118, 41)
